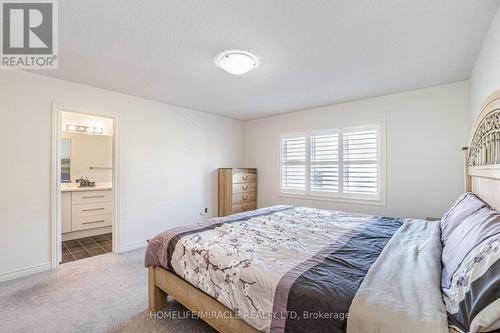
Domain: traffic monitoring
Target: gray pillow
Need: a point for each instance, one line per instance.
(470, 279)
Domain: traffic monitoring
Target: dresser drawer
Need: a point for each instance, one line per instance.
(243, 207)
(91, 209)
(243, 197)
(244, 177)
(244, 187)
(90, 222)
(91, 196)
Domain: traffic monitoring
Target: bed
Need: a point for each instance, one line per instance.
(298, 269)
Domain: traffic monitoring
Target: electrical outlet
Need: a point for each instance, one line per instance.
(204, 212)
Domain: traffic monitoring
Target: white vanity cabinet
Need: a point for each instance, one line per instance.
(66, 212)
(86, 212)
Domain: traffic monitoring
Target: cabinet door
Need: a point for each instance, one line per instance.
(66, 211)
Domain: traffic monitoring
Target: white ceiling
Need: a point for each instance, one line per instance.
(312, 53)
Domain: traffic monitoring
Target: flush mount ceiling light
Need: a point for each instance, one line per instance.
(236, 62)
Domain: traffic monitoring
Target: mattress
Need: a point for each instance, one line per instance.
(297, 269)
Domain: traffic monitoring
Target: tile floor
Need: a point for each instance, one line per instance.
(86, 247)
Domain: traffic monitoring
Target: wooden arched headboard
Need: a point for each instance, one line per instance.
(482, 157)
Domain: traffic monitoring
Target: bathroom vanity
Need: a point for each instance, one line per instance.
(86, 211)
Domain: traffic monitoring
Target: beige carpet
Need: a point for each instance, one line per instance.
(107, 293)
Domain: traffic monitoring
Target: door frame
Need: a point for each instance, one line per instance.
(56, 229)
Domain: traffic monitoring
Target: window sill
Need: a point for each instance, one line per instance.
(354, 201)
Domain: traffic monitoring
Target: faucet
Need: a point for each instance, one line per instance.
(85, 182)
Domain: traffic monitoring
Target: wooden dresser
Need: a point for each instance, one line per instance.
(237, 190)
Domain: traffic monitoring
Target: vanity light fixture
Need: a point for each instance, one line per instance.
(236, 62)
(84, 129)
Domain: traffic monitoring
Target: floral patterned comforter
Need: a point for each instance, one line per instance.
(281, 268)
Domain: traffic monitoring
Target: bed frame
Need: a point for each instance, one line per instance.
(482, 157)
(162, 283)
(482, 176)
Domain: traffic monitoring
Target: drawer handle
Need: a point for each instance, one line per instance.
(244, 207)
(245, 197)
(90, 222)
(93, 196)
(244, 177)
(91, 209)
(244, 188)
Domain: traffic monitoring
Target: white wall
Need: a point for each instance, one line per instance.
(485, 77)
(426, 130)
(167, 164)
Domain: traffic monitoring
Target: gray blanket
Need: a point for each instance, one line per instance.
(402, 288)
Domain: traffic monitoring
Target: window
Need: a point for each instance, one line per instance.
(293, 163)
(324, 165)
(360, 162)
(338, 163)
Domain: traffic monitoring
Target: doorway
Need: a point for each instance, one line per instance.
(84, 185)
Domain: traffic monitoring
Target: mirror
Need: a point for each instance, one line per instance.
(66, 161)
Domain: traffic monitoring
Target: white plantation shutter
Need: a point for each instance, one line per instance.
(293, 163)
(324, 163)
(343, 163)
(360, 161)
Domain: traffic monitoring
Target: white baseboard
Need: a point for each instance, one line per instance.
(132, 246)
(25, 271)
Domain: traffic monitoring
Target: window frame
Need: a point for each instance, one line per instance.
(378, 200)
